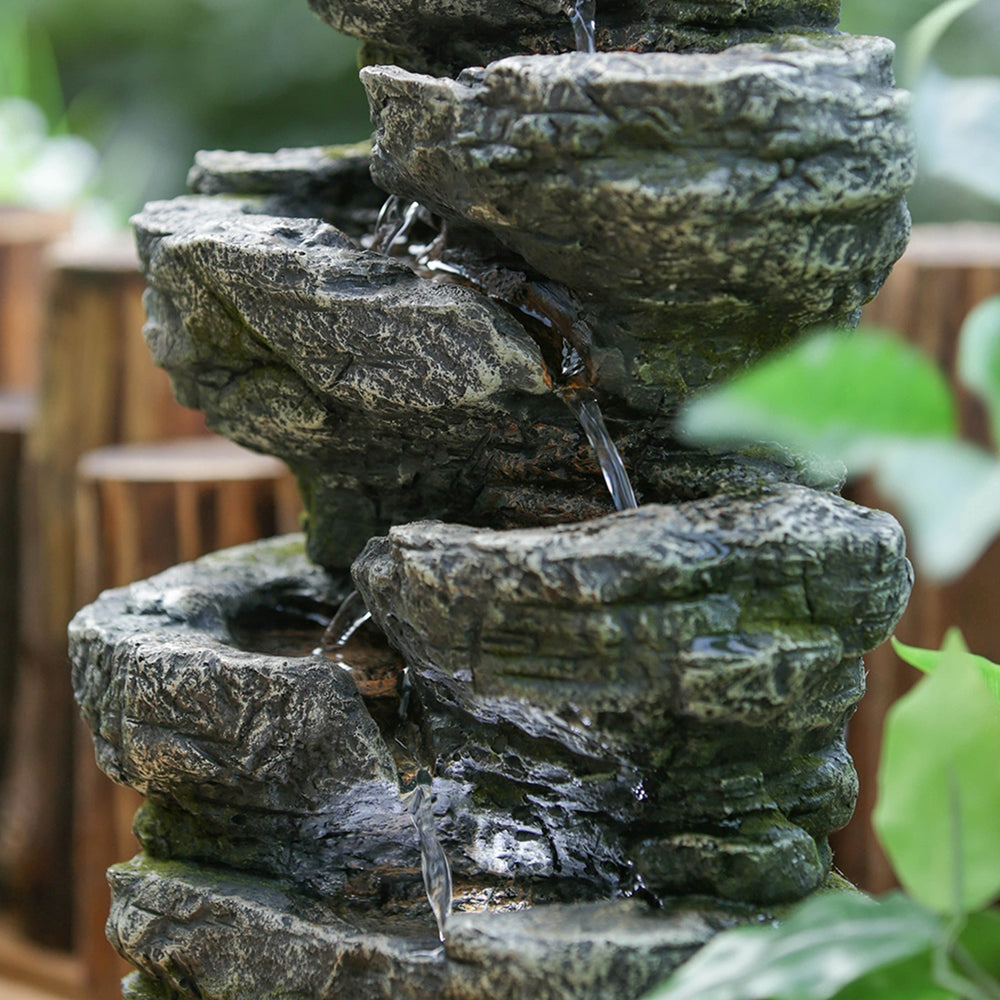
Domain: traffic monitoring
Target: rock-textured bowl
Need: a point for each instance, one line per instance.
(392, 397)
(727, 199)
(446, 38)
(659, 694)
(280, 859)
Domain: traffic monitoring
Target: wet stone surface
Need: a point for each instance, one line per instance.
(671, 684)
(544, 664)
(444, 39)
(726, 199)
(198, 932)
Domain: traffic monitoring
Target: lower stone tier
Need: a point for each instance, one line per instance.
(200, 933)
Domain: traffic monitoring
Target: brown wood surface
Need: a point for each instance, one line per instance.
(28, 972)
(25, 236)
(16, 414)
(945, 273)
(92, 381)
(140, 509)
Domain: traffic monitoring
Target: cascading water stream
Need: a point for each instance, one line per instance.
(535, 304)
(433, 860)
(352, 615)
(581, 15)
(541, 313)
(583, 403)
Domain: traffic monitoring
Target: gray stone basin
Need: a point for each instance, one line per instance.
(709, 205)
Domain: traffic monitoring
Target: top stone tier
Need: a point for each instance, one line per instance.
(447, 36)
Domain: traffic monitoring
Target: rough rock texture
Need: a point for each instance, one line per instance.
(392, 397)
(326, 182)
(263, 761)
(710, 205)
(671, 683)
(446, 38)
(207, 934)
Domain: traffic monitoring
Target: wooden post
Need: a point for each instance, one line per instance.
(25, 236)
(16, 412)
(945, 273)
(140, 509)
(90, 369)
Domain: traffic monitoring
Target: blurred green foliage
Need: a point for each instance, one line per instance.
(956, 107)
(151, 82)
(969, 48)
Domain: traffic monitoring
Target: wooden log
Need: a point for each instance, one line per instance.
(16, 413)
(97, 387)
(140, 509)
(945, 273)
(25, 236)
(28, 972)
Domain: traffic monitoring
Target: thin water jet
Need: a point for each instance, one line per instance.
(350, 616)
(583, 403)
(433, 861)
(581, 15)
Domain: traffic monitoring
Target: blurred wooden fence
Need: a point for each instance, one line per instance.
(946, 271)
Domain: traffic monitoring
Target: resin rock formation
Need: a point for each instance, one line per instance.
(672, 683)
(543, 666)
(753, 191)
(446, 38)
(393, 397)
(623, 732)
(280, 858)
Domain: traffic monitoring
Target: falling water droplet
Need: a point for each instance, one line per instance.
(581, 14)
(584, 405)
(433, 860)
(350, 616)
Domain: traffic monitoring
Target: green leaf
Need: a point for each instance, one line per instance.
(826, 943)
(979, 357)
(981, 939)
(844, 396)
(947, 494)
(910, 979)
(957, 124)
(927, 659)
(938, 811)
(927, 32)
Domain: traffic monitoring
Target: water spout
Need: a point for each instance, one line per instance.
(433, 860)
(581, 14)
(350, 616)
(584, 404)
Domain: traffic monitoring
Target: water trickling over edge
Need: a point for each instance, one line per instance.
(581, 14)
(584, 405)
(433, 860)
(538, 305)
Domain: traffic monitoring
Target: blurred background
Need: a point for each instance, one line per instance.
(103, 104)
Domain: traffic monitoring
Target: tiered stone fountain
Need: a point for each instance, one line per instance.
(623, 730)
